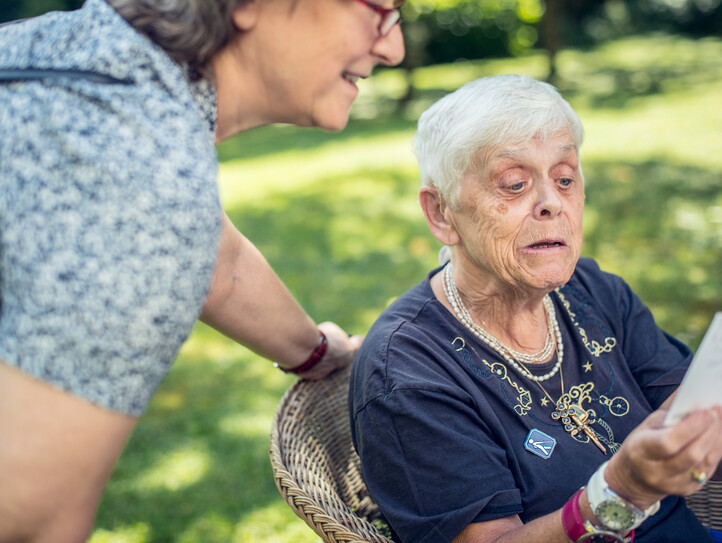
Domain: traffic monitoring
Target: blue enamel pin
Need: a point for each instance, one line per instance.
(539, 443)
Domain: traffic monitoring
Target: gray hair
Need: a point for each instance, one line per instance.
(190, 31)
(482, 115)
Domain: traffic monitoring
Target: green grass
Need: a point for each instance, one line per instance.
(337, 216)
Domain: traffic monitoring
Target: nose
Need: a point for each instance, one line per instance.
(390, 48)
(548, 203)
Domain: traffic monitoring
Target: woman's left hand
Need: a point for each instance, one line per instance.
(657, 460)
(339, 353)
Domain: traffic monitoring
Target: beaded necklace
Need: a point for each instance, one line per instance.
(571, 415)
(507, 353)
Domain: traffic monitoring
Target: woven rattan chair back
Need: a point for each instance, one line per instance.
(707, 504)
(318, 472)
(315, 466)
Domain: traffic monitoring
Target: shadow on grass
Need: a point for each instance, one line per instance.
(346, 254)
(200, 452)
(660, 226)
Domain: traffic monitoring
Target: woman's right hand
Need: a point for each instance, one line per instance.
(340, 353)
(655, 460)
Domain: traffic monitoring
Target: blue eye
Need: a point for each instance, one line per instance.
(565, 181)
(516, 186)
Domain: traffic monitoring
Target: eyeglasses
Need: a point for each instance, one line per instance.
(389, 17)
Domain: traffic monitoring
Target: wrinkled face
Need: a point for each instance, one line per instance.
(312, 53)
(520, 216)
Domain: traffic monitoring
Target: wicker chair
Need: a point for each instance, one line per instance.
(318, 472)
(315, 466)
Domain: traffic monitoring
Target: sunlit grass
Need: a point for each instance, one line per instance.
(338, 218)
(136, 533)
(177, 469)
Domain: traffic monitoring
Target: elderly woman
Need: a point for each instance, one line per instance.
(112, 238)
(518, 393)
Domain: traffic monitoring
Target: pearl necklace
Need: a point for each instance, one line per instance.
(507, 353)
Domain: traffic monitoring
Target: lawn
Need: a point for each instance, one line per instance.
(337, 217)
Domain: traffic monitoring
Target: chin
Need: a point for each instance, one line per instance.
(550, 279)
(331, 115)
(332, 125)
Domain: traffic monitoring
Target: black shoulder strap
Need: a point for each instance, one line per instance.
(26, 74)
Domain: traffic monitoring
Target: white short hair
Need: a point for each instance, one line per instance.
(481, 116)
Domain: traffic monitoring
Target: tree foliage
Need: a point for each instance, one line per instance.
(439, 31)
(21, 9)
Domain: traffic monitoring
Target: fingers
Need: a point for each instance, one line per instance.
(340, 351)
(712, 452)
(656, 460)
(694, 433)
(356, 341)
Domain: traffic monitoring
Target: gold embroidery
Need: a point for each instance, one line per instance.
(618, 406)
(566, 304)
(613, 445)
(594, 347)
(524, 398)
(579, 394)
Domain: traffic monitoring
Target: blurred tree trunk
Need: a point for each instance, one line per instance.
(551, 35)
(416, 38)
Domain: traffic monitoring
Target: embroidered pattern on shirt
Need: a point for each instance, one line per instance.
(522, 403)
(594, 347)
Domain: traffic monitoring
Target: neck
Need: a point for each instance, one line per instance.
(241, 104)
(516, 319)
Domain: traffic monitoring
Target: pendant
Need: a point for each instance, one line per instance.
(574, 419)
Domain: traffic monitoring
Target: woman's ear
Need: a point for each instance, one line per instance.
(437, 214)
(245, 14)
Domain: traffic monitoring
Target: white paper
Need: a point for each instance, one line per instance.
(702, 384)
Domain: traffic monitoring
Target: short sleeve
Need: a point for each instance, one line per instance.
(658, 360)
(430, 461)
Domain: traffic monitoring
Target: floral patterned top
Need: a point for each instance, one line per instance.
(109, 209)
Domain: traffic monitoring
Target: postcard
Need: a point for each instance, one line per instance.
(702, 384)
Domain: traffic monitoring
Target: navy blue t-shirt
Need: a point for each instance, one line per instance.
(450, 434)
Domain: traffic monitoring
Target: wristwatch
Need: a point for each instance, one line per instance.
(579, 530)
(614, 512)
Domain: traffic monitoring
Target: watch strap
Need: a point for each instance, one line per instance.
(598, 491)
(572, 520)
(596, 487)
(578, 529)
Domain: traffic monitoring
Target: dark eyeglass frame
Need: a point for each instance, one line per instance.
(389, 17)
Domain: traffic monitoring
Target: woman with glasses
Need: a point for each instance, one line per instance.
(112, 238)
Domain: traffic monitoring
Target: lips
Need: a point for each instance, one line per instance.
(352, 78)
(547, 244)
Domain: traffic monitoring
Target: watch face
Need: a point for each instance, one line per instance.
(614, 515)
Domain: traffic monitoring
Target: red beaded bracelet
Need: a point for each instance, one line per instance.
(314, 359)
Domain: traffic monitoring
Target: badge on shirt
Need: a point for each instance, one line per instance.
(539, 443)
